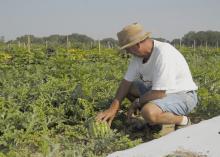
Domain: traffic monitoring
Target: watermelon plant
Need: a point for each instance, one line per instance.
(47, 99)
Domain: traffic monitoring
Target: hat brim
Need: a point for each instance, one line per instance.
(135, 41)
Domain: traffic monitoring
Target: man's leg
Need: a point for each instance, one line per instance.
(154, 115)
(151, 112)
(171, 109)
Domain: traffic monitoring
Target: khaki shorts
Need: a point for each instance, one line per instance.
(181, 103)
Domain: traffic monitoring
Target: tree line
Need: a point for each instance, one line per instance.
(74, 41)
(201, 38)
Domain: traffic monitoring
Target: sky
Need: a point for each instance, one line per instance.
(100, 19)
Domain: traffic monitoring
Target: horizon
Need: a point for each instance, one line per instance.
(91, 37)
(100, 19)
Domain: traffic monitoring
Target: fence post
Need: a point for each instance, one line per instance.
(9, 45)
(91, 45)
(99, 46)
(206, 45)
(19, 44)
(46, 44)
(29, 44)
(67, 42)
(194, 45)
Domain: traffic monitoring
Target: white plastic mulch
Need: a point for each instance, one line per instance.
(202, 138)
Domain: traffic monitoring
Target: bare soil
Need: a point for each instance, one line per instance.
(185, 153)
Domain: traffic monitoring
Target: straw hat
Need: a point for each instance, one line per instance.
(131, 35)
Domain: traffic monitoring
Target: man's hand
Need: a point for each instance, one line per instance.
(109, 114)
(133, 108)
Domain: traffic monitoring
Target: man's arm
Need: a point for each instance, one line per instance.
(121, 93)
(151, 95)
(109, 114)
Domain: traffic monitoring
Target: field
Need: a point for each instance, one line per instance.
(48, 95)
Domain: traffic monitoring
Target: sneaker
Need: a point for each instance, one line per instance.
(183, 126)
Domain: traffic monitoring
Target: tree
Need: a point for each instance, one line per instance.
(201, 38)
(109, 42)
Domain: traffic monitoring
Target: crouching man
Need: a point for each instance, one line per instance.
(158, 81)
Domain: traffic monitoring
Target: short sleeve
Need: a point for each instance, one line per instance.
(132, 71)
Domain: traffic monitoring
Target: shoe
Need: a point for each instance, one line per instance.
(154, 128)
(183, 126)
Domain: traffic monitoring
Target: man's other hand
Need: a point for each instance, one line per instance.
(133, 108)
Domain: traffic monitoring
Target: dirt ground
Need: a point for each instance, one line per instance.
(185, 153)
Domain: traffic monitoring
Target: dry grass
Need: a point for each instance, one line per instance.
(185, 153)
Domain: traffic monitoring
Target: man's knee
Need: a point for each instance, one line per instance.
(150, 112)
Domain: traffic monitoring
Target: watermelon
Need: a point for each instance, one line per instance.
(98, 129)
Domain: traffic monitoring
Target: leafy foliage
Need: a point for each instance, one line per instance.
(46, 99)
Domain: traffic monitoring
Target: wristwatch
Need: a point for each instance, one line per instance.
(137, 102)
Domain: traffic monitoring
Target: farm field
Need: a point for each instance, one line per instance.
(47, 97)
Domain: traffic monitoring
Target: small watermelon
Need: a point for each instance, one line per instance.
(98, 129)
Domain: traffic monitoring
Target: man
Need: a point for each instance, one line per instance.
(158, 81)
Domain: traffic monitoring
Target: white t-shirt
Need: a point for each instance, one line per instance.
(166, 69)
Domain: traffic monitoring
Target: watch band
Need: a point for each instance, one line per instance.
(138, 102)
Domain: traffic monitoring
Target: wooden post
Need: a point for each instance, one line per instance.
(217, 45)
(206, 45)
(109, 45)
(194, 45)
(46, 44)
(29, 44)
(99, 46)
(24, 46)
(19, 44)
(91, 45)
(67, 43)
(180, 43)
